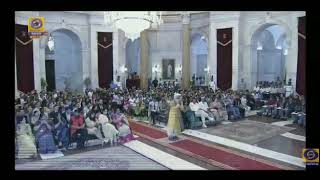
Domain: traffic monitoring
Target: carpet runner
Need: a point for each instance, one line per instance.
(217, 156)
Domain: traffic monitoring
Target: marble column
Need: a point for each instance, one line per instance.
(144, 63)
(291, 59)
(42, 58)
(212, 54)
(37, 64)
(235, 55)
(185, 51)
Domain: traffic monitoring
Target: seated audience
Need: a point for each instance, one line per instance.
(26, 147)
(109, 131)
(78, 131)
(196, 108)
(122, 125)
(44, 134)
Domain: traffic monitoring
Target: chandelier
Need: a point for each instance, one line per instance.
(133, 22)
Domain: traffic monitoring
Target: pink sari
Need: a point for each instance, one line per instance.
(122, 125)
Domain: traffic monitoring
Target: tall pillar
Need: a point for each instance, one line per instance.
(144, 63)
(235, 55)
(185, 51)
(212, 54)
(291, 60)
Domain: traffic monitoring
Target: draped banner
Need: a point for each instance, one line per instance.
(224, 58)
(24, 59)
(301, 67)
(105, 59)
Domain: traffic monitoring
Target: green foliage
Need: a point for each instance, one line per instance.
(87, 82)
(43, 83)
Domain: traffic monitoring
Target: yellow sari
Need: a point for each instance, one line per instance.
(174, 125)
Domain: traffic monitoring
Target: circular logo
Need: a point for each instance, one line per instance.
(311, 154)
(36, 23)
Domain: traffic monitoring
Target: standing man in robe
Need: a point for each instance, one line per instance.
(169, 72)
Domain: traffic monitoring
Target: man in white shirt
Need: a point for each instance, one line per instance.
(90, 94)
(199, 112)
(256, 87)
(289, 90)
(273, 90)
(154, 109)
(212, 85)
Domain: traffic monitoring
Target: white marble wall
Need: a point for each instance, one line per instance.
(250, 22)
(85, 26)
(68, 60)
(22, 18)
(165, 42)
(220, 20)
(199, 47)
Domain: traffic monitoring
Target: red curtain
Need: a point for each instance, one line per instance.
(224, 58)
(301, 67)
(105, 59)
(24, 59)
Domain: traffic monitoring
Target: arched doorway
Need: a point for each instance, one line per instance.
(133, 56)
(199, 58)
(64, 63)
(269, 48)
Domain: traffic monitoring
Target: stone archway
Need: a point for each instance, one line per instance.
(199, 56)
(133, 56)
(67, 58)
(255, 52)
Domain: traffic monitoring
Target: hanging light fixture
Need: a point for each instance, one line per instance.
(133, 22)
(259, 47)
(51, 43)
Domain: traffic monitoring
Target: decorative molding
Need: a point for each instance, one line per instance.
(225, 44)
(105, 47)
(301, 35)
(23, 43)
(185, 18)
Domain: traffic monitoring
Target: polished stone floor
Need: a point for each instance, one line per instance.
(247, 131)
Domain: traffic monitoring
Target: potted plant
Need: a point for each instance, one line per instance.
(87, 82)
(43, 84)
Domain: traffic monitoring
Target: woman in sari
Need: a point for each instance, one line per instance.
(62, 132)
(122, 125)
(109, 131)
(44, 137)
(93, 127)
(175, 122)
(26, 147)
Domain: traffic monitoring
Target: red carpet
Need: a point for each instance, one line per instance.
(147, 130)
(210, 153)
(226, 158)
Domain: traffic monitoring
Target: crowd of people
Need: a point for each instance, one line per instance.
(46, 121)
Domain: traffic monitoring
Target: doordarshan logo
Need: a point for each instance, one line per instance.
(310, 156)
(36, 27)
(36, 23)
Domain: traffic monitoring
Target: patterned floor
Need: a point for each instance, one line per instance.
(111, 158)
(247, 131)
(216, 155)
